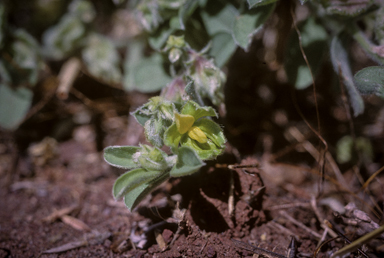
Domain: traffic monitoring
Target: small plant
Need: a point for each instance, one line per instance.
(187, 130)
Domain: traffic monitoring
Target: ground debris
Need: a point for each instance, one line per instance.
(90, 239)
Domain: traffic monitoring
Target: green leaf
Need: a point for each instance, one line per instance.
(186, 11)
(141, 116)
(193, 109)
(145, 74)
(212, 130)
(347, 8)
(121, 156)
(82, 9)
(344, 148)
(132, 179)
(24, 62)
(370, 80)
(255, 3)
(247, 24)
(222, 48)
(218, 17)
(379, 26)
(134, 197)
(314, 42)
(14, 105)
(102, 59)
(341, 65)
(160, 36)
(64, 38)
(188, 162)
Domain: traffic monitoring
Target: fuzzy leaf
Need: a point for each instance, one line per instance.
(248, 24)
(347, 8)
(193, 109)
(65, 37)
(219, 18)
(158, 38)
(255, 3)
(145, 74)
(222, 48)
(188, 162)
(131, 180)
(121, 156)
(340, 61)
(186, 11)
(102, 59)
(24, 62)
(314, 41)
(141, 117)
(370, 80)
(14, 105)
(134, 197)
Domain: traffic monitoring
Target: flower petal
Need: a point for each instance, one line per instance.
(183, 122)
(198, 135)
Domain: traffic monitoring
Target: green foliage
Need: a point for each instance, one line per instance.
(14, 104)
(145, 74)
(314, 41)
(249, 23)
(342, 66)
(370, 80)
(181, 48)
(348, 149)
(102, 59)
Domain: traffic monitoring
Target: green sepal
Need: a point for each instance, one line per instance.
(193, 109)
(206, 151)
(134, 197)
(172, 137)
(121, 156)
(154, 130)
(188, 162)
(212, 130)
(133, 179)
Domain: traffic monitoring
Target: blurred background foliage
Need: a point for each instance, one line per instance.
(121, 46)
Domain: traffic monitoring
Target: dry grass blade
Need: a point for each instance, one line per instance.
(371, 178)
(92, 239)
(60, 213)
(256, 250)
(299, 224)
(75, 223)
(359, 242)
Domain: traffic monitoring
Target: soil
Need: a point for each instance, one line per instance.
(56, 200)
